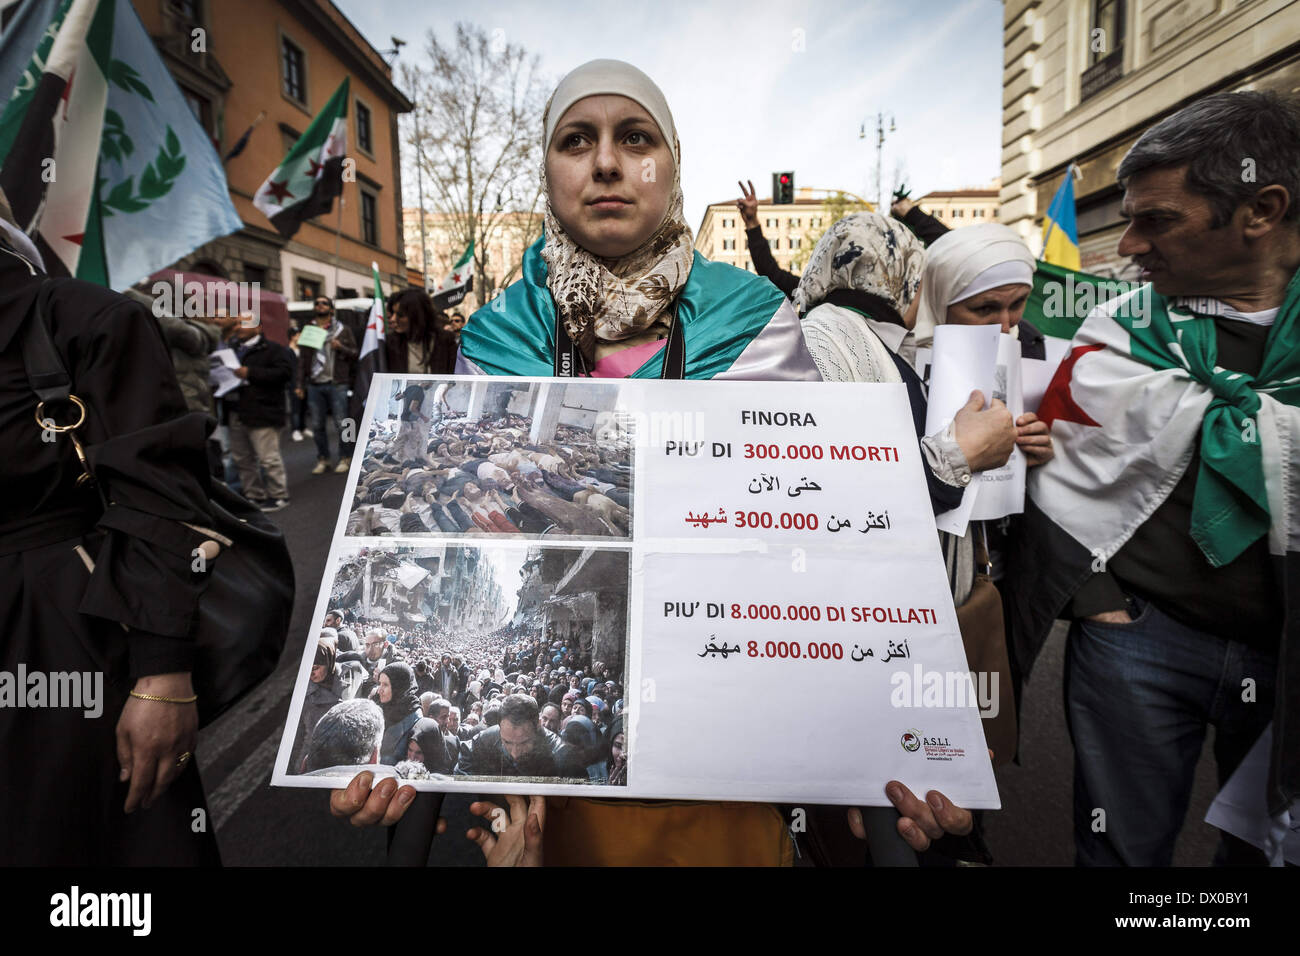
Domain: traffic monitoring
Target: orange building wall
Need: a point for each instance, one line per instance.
(244, 37)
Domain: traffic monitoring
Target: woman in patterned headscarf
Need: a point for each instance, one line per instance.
(858, 298)
(615, 272)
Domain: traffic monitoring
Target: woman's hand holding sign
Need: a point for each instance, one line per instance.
(511, 837)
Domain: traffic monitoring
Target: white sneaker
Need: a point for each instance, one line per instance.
(297, 435)
(307, 433)
(343, 466)
(321, 467)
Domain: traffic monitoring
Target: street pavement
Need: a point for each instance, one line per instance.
(257, 825)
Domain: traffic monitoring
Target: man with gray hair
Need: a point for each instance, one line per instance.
(348, 735)
(1161, 528)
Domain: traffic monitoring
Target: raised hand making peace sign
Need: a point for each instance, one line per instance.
(748, 204)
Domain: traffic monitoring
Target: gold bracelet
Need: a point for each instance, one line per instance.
(165, 700)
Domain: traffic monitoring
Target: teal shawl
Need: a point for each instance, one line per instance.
(721, 310)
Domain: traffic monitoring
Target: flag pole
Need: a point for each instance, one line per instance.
(338, 230)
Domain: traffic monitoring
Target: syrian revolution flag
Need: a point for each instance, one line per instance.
(304, 185)
(103, 162)
(1062, 298)
(1138, 392)
(372, 359)
(459, 281)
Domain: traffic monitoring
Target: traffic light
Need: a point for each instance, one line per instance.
(783, 188)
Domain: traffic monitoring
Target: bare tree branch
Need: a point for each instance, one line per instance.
(479, 106)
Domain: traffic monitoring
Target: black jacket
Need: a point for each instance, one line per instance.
(1032, 343)
(924, 226)
(260, 401)
(484, 755)
(765, 263)
(72, 573)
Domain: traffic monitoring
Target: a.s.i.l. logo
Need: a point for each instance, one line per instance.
(911, 740)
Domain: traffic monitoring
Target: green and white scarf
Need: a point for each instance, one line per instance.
(1230, 510)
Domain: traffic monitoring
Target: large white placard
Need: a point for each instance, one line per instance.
(765, 543)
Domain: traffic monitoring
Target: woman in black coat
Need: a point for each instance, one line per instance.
(422, 342)
(108, 596)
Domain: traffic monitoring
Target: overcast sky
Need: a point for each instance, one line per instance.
(747, 101)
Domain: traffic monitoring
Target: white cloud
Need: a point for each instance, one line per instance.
(747, 103)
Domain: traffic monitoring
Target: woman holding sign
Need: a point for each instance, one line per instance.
(983, 275)
(614, 289)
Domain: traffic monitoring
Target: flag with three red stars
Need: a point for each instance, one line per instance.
(304, 185)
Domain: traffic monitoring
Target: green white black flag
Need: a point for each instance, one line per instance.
(305, 184)
(459, 281)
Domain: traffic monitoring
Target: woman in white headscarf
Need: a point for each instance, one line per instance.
(858, 299)
(979, 275)
(982, 275)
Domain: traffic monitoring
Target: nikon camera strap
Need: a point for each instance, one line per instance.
(569, 362)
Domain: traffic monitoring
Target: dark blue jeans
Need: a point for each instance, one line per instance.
(297, 411)
(1138, 698)
(332, 400)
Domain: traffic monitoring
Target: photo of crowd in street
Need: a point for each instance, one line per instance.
(449, 662)
(447, 457)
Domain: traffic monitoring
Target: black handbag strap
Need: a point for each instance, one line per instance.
(570, 363)
(48, 376)
(45, 369)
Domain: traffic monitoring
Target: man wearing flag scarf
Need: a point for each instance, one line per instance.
(1167, 528)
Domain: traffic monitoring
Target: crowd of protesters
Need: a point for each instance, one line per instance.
(1158, 517)
(1155, 518)
(297, 389)
(502, 704)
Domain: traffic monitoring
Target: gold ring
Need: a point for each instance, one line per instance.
(183, 759)
(41, 420)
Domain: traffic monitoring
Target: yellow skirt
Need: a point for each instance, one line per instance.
(584, 832)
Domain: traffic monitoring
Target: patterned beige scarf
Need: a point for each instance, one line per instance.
(613, 299)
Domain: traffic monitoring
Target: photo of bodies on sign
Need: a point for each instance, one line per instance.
(445, 457)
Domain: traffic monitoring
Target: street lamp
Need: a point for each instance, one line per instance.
(880, 148)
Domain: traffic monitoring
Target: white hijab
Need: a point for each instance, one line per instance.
(614, 299)
(966, 262)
